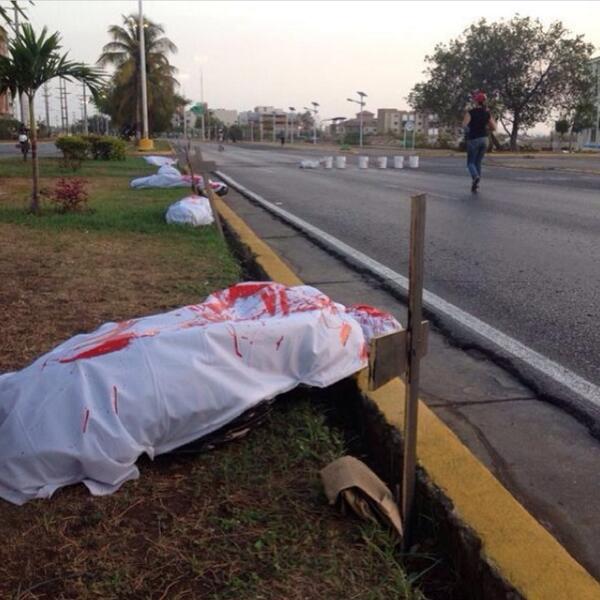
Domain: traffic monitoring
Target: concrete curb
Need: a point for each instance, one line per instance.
(515, 555)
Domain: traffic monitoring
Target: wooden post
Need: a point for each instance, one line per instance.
(414, 353)
(204, 171)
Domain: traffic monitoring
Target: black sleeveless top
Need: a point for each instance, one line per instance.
(480, 117)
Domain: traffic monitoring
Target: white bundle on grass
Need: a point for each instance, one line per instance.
(88, 409)
(193, 210)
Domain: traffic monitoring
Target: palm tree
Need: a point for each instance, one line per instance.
(32, 61)
(123, 52)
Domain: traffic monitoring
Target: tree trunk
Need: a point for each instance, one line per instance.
(514, 135)
(35, 194)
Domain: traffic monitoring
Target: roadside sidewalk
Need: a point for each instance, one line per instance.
(544, 457)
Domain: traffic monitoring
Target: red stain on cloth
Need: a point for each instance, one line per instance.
(345, 333)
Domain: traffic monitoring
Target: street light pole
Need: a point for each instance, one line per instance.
(292, 110)
(362, 104)
(145, 142)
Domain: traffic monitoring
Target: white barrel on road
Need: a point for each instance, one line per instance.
(340, 162)
(398, 162)
(382, 162)
(363, 162)
(413, 162)
(328, 160)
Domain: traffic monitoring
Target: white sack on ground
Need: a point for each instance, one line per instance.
(309, 164)
(174, 179)
(193, 210)
(169, 170)
(159, 161)
(88, 409)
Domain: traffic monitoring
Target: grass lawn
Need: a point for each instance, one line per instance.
(245, 521)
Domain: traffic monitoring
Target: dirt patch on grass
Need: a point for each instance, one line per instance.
(59, 283)
(246, 521)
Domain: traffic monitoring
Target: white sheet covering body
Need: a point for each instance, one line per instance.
(168, 177)
(193, 210)
(159, 161)
(88, 409)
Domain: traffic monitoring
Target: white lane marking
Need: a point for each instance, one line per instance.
(435, 304)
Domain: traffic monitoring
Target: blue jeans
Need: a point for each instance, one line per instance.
(475, 150)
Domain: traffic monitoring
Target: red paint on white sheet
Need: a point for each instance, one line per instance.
(345, 333)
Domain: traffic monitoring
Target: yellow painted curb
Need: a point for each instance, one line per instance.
(513, 542)
(264, 255)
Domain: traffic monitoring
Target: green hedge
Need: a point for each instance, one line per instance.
(8, 128)
(105, 147)
(99, 147)
(74, 147)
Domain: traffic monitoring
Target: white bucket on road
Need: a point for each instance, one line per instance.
(413, 162)
(363, 162)
(340, 162)
(382, 162)
(328, 160)
(398, 162)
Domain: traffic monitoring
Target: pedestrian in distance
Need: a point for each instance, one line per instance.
(282, 138)
(478, 123)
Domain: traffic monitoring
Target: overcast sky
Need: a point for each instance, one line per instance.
(291, 53)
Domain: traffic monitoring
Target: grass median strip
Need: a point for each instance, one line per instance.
(247, 520)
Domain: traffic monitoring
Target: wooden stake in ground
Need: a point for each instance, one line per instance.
(204, 168)
(414, 353)
(196, 165)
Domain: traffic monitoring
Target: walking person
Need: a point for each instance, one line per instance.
(478, 123)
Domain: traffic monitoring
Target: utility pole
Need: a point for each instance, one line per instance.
(47, 106)
(274, 117)
(64, 108)
(85, 120)
(145, 142)
(24, 114)
(202, 121)
(292, 110)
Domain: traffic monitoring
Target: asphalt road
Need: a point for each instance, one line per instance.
(522, 255)
(44, 149)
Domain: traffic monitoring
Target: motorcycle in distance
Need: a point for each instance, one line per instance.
(24, 145)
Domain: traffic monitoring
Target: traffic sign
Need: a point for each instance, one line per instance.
(410, 125)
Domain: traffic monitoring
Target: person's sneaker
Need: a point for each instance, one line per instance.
(475, 185)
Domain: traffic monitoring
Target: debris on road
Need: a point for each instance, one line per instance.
(349, 483)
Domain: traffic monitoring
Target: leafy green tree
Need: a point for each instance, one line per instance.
(122, 97)
(33, 60)
(528, 70)
(561, 127)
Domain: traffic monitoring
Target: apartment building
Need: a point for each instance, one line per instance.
(5, 107)
(393, 120)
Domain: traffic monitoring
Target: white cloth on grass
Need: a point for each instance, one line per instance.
(193, 210)
(159, 161)
(88, 409)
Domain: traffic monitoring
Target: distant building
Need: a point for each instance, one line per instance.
(226, 116)
(5, 108)
(392, 120)
(352, 126)
(590, 138)
(266, 123)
